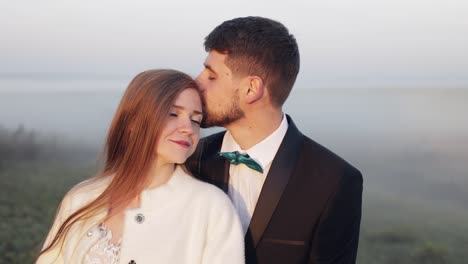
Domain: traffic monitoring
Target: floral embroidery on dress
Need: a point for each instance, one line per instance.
(103, 252)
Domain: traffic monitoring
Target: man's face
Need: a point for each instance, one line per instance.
(220, 92)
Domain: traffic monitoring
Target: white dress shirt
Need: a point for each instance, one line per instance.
(245, 184)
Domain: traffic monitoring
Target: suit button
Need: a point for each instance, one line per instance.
(139, 218)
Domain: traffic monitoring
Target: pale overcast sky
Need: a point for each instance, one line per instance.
(342, 42)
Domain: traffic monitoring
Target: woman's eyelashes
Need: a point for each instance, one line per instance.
(196, 121)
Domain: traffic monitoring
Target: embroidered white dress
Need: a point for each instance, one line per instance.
(104, 251)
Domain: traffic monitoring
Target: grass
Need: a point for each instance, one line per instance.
(399, 230)
(29, 196)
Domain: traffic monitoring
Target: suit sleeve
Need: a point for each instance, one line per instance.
(337, 237)
(224, 238)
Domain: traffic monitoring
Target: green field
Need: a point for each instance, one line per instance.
(398, 230)
(29, 195)
(393, 230)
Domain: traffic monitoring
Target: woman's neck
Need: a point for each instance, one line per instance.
(160, 174)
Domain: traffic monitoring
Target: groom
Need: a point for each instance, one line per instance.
(298, 201)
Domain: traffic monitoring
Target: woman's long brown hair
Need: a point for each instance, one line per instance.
(131, 143)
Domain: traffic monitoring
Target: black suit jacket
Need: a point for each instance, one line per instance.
(309, 209)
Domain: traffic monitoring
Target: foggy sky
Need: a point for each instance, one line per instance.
(342, 43)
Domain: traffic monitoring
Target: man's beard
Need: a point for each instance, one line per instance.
(223, 117)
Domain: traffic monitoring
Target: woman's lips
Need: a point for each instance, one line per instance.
(182, 143)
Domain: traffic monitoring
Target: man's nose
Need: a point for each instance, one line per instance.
(199, 83)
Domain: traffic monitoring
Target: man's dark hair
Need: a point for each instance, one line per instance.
(259, 46)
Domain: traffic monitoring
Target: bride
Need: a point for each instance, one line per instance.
(144, 207)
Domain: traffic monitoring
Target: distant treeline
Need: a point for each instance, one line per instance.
(27, 145)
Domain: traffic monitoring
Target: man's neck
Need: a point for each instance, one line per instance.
(255, 127)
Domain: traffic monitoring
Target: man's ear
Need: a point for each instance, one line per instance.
(255, 89)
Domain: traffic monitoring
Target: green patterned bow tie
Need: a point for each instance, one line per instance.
(236, 158)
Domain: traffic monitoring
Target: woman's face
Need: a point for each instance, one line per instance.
(181, 133)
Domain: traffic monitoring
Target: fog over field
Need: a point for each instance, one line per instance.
(405, 141)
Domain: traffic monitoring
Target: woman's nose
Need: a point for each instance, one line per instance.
(186, 126)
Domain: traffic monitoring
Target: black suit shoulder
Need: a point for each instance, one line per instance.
(213, 138)
(206, 151)
(321, 160)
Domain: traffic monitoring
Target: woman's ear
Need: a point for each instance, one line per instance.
(255, 89)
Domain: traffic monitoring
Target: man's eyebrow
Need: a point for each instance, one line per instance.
(207, 66)
(183, 108)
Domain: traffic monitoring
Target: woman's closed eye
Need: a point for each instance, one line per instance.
(196, 121)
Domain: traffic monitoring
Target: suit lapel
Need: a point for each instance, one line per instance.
(281, 169)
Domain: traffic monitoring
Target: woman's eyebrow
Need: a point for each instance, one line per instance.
(183, 108)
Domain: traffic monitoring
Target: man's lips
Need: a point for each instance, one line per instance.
(183, 143)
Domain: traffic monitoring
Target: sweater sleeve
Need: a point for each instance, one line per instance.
(224, 239)
(54, 255)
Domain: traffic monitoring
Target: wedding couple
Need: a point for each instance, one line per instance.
(260, 192)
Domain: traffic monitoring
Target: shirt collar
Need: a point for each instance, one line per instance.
(264, 151)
